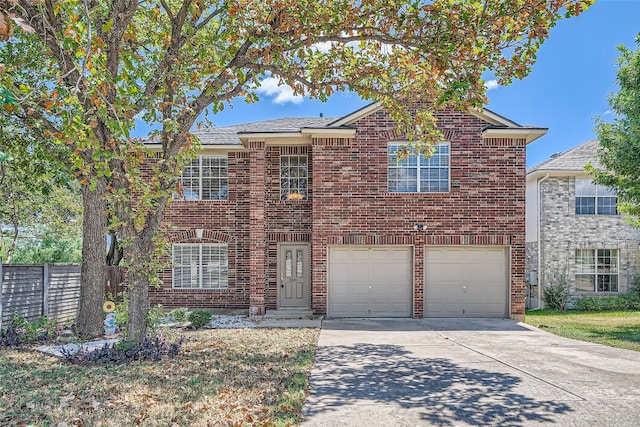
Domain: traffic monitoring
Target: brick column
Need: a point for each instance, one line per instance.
(518, 285)
(418, 275)
(257, 236)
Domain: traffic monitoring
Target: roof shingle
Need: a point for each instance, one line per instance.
(572, 160)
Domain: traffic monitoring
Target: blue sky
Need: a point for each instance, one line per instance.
(568, 87)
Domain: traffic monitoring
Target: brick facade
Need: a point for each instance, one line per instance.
(348, 204)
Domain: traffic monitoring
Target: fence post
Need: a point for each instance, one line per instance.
(1, 277)
(45, 290)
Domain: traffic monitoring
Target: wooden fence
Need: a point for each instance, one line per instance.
(51, 290)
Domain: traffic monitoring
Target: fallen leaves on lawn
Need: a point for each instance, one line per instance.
(235, 377)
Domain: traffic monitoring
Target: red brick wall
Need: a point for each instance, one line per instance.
(485, 205)
(224, 221)
(285, 221)
(348, 204)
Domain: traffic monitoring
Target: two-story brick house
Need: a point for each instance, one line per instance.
(320, 213)
(575, 235)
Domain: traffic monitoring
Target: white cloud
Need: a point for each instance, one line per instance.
(491, 84)
(608, 113)
(281, 93)
(323, 47)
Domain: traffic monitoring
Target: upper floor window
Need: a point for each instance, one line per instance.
(593, 199)
(294, 174)
(205, 178)
(597, 270)
(417, 173)
(200, 266)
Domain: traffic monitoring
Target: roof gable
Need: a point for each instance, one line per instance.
(292, 130)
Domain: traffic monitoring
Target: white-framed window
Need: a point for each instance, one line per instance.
(593, 199)
(417, 173)
(294, 176)
(200, 266)
(596, 270)
(205, 178)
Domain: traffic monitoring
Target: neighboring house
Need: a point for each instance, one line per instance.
(320, 214)
(575, 235)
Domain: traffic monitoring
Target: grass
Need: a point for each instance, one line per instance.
(230, 377)
(619, 329)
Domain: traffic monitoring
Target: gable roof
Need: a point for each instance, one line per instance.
(572, 160)
(289, 128)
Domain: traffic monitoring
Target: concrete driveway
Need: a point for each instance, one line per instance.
(458, 372)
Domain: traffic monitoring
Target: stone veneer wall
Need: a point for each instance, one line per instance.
(563, 232)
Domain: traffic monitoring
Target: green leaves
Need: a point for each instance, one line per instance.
(619, 154)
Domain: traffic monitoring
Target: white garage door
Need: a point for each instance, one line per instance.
(466, 281)
(370, 281)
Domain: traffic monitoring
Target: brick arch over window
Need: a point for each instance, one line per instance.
(208, 236)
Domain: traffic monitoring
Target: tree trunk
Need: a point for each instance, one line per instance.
(139, 257)
(138, 306)
(93, 270)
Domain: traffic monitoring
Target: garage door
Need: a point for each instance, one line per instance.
(370, 281)
(466, 281)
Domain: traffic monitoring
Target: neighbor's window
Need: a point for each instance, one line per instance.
(596, 270)
(205, 178)
(417, 173)
(592, 199)
(294, 175)
(200, 266)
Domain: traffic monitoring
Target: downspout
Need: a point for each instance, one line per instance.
(539, 216)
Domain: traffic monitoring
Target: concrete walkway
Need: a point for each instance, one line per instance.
(459, 372)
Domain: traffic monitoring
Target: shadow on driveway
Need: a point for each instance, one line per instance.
(437, 391)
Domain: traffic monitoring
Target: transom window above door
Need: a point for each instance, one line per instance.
(417, 173)
(294, 176)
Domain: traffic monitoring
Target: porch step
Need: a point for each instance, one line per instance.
(290, 314)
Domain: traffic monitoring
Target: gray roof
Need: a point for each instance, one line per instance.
(228, 135)
(572, 160)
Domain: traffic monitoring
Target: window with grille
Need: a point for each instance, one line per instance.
(200, 266)
(417, 173)
(294, 174)
(205, 178)
(593, 199)
(596, 270)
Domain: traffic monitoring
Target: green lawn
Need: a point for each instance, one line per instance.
(226, 377)
(619, 329)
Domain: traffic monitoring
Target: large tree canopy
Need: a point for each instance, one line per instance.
(40, 210)
(619, 153)
(92, 68)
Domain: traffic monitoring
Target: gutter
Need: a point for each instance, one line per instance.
(539, 225)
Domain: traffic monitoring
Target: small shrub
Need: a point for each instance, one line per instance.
(122, 310)
(588, 304)
(199, 318)
(634, 288)
(10, 337)
(20, 330)
(556, 296)
(154, 316)
(151, 349)
(179, 314)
